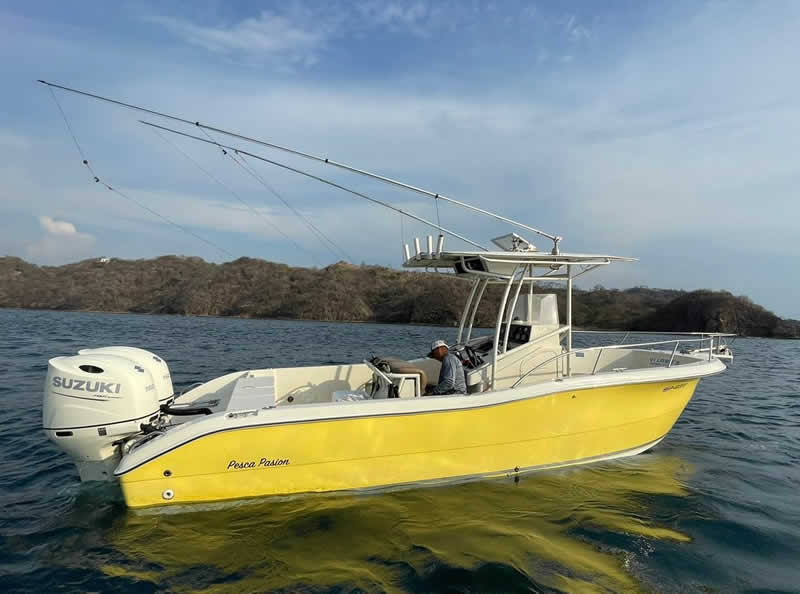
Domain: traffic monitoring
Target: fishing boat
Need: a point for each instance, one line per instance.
(533, 401)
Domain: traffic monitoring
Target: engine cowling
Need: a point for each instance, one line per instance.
(150, 361)
(93, 401)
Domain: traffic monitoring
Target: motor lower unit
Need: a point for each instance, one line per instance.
(97, 399)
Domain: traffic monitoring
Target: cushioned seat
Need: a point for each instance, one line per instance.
(402, 366)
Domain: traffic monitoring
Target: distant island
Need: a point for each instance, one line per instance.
(254, 288)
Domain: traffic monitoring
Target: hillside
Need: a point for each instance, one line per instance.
(343, 292)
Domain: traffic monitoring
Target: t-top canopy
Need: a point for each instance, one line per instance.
(506, 264)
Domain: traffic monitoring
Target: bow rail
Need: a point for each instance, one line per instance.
(677, 342)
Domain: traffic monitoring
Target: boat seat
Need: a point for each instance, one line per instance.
(397, 365)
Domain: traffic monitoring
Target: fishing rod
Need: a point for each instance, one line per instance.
(237, 150)
(435, 195)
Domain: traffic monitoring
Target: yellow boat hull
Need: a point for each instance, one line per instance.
(563, 428)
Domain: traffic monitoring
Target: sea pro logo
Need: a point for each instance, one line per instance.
(96, 388)
(663, 361)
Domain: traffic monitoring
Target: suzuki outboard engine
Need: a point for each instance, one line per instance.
(155, 364)
(96, 400)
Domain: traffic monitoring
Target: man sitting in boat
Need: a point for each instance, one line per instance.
(451, 376)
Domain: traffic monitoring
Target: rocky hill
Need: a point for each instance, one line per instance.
(343, 292)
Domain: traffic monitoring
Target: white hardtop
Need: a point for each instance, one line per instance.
(536, 259)
(517, 256)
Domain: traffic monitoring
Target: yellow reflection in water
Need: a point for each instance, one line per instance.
(391, 541)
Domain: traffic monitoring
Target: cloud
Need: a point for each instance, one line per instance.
(268, 34)
(573, 30)
(61, 242)
(395, 15)
(299, 33)
(55, 227)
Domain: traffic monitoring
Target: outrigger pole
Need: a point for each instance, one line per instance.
(239, 151)
(435, 195)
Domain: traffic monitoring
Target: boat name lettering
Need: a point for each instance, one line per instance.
(86, 386)
(674, 387)
(263, 463)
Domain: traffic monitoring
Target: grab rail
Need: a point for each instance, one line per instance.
(677, 343)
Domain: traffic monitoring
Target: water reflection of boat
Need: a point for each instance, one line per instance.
(525, 532)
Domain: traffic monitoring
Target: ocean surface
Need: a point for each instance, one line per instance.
(714, 508)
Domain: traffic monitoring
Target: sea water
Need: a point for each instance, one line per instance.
(715, 507)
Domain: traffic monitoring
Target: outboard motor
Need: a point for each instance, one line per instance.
(95, 400)
(157, 366)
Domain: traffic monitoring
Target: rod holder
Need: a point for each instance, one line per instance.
(430, 245)
(440, 245)
(406, 252)
(416, 246)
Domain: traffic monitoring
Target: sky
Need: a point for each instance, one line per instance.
(669, 132)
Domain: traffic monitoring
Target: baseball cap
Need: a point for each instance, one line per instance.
(436, 344)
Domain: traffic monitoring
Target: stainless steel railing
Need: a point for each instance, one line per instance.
(600, 349)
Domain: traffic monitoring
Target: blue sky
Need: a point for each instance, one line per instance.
(670, 133)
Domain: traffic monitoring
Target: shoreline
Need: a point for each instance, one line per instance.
(254, 318)
(317, 321)
(349, 294)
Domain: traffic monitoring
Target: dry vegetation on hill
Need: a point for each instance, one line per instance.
(343, 292)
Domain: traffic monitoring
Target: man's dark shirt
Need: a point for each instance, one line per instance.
(451, 377)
